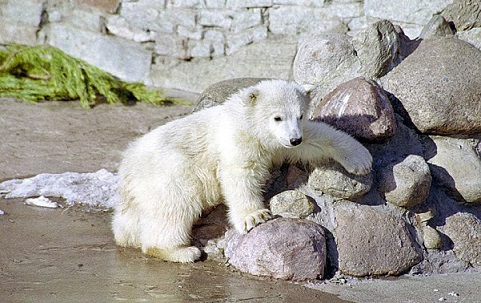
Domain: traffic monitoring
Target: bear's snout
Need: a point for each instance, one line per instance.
(296, 141)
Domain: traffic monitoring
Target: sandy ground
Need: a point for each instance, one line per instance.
(68, 255)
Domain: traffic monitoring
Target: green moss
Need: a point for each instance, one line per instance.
(46, 73)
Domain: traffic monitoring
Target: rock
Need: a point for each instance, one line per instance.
(450, 102)
(371, 242)
(218, 92)
(287, 249)
(377, 48)
(405, 184)
(456, 165)
(464, 229)
(123, 59)
(325, 60)
(431, 238)
(332, 179)
(465, 14)
(359, 107)
(436, 27)
(292, 204)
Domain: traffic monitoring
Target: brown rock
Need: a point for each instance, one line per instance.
(370, 242)
(464, 230)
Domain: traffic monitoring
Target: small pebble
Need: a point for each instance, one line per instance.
(2, 212)
(454, 294)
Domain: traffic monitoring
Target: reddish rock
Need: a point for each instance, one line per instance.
(288, 249)
(359, 107)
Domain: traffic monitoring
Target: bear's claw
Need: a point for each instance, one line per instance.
(255, 218)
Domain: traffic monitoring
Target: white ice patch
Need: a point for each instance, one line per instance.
(42, 202)
(98, 189)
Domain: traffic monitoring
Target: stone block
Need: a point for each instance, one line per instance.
(27, 12)
(215, 18)
(124, 59)
(295, 20)
(244, 19)
(11, 32)
(237, 41)
(118, 26)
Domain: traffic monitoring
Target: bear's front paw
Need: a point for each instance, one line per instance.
(359, 163)
(253, 219)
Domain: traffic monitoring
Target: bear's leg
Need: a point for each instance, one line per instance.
(242, 189)
(166, 235)
(125, 226)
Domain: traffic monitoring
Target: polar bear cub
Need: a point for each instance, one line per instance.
(220, 154)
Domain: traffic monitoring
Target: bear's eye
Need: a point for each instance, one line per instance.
(302, 116)
(277, 119)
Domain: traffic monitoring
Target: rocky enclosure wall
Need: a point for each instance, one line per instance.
(190, 44)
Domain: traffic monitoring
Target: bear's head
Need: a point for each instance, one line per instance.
(275, 110)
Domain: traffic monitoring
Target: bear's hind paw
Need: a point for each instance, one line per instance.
(179, 254)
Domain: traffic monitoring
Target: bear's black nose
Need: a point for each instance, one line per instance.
(295, 142)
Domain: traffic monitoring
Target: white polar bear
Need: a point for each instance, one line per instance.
(220, 154)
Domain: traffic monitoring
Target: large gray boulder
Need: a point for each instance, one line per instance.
(359, 107)
(377, 48)
(456, 164)
(326, 60)
(372, 242)
(450, 102)
(287, 249)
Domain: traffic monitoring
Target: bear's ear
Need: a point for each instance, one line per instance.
(250, 96)
(310, 90)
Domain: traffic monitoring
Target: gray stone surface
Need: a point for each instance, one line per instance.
(450, 102)
(332, 179)
(359, 107)
(466, 14)
(456, 165)
(472, 36)
(412, 13)
(291, 204)
(436, 27)
(271, 58)
(464, 229)
(288, 249)
(296, 20)
(371, 242)
(405, 183)
(128, 61)
(326, 61)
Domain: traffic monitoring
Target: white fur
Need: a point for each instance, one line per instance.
(220, 154)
